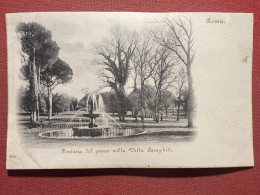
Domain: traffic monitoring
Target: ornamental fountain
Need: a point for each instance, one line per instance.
(101, 124)
(96, 110)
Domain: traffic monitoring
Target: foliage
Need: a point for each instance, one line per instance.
(32, 35)
(167, 100)
(24, 99)
(82, 102)
(150, 94)
(135, 101)
(59, 73)
(38, 52)
(74, 103)
(43, 104)
(110, 101)
(61, 103)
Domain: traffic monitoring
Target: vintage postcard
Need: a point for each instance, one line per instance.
(129, 90)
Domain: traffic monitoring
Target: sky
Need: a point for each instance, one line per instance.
(77, 34)
(217, 46)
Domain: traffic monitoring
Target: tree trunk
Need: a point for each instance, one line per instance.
(121, 103)
(37, 109)
(136, 115)
(190, 95)
(142, 115)
(135, 83)
(179, 103)
(33, 116)
(50, 102)
(161, 114)
(186, 107)
(119, 108)
(35, 91)
(39, 95)
(166, 108)
(157, 119)
(142, 101)
(178, 111)
(157, 113)
(32, 100)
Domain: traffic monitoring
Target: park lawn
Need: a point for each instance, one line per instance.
(168, 130)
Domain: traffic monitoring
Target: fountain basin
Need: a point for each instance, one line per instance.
(92, 132)
(91, 115)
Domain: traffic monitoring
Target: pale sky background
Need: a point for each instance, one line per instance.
(76, 36)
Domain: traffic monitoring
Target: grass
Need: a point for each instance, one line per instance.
(168, 130)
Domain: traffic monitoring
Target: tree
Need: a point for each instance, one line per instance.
(59, 73)
(144, 55)
(181, 80)
(74, 103)
(110, 101)
(23, 99)
(149, 93)
(134, 72)
(135, 100)
(116, 54)
(185, 96)
(39, 51)
(45, 58)
(82, 102)
(180, 40)
(43, 104)
(162, 75)
(167, 100)
(61, 103)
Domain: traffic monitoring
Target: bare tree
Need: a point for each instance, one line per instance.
(180, 40)
(162, 75)
(134, 72)
(134, 95)
(116, 54)
(144, 55)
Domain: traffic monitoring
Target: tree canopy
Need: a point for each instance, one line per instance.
(59, 73)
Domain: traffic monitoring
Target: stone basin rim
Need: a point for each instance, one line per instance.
(84, 138)
(94, 128)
